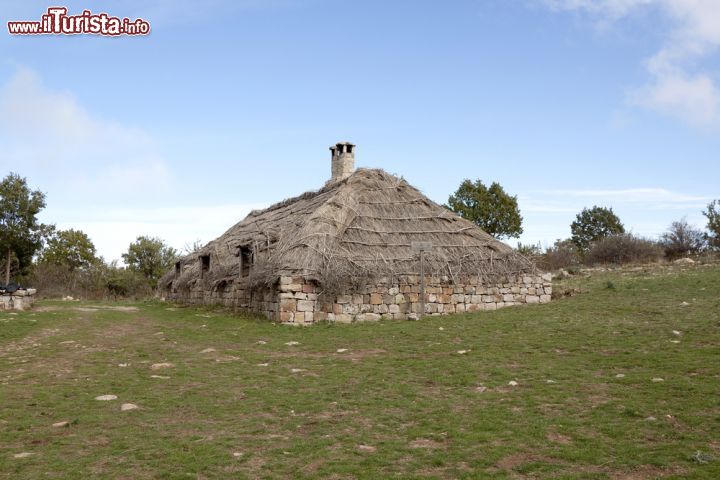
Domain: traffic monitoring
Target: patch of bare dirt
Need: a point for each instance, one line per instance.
(558, 438)
(426, 443)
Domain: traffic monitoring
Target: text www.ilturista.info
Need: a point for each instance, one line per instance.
(57, 22)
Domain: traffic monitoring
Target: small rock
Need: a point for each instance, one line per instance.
(261, 342)
(658, 380)
(684, 304)
(160, 377)
(263, 365)
(106, 398)
(684, 261)
(342, 350)
(23, 455)
(297, 370)
(68, 342)
(161, 366)
(61, 424)
(126, 407)
(550, 382)
(441, 329)
(481, 389)
(463, 352)
(123, 365)
(292, 344)
(209, 350)
(620, 375)
(238, 455)
(651, 419)
(675, 341)
(366, 449)
(676, 332)
(513, 383)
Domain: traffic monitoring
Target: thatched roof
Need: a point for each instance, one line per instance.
(362, 226)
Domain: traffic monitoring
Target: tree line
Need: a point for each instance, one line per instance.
(597, 234)
(61, 262)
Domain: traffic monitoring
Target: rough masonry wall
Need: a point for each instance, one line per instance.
(299, 302)
(233, 295)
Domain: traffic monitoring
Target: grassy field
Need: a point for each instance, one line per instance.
(619, 381)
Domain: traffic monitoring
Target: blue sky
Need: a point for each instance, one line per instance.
(231, 105)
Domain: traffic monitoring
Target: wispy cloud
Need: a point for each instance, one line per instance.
(42, 127)
(678, 85)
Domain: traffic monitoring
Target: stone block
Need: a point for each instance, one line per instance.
(376, 299)
(532, 299)
(344, 299)
(545, 298)
(357, 299)
(368, 317)
(286, 317)
(288, 305)
(305, 306)
(395, 309)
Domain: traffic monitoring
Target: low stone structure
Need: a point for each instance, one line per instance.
(19, 300)
(353, 251)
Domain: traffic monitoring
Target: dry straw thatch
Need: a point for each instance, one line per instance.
(352, 231)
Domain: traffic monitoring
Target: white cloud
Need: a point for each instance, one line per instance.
(677, 87)
(41, 128)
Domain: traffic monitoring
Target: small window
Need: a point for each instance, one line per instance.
(204, 265)
(246, 261)
(178, 269)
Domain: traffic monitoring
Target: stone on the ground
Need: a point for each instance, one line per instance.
(658, 380)
(342, 350)
(160, 377)
(297, 370)
(684, 261)
(263, 365)
(292, 344)
(23, 455)
(462, 352)
(550, 382)
(261, 342)
(126, 407)
(238, 454)
(209, 350)
(367, 449)
(123, 365)
(481, 389)
(161, 366)
(61, 424)
(620, 375)
(513, 383)
(676, 332)
(106, 398)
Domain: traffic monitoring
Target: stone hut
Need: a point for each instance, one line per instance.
(354, 251)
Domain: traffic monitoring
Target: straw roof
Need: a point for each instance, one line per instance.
(358, 228)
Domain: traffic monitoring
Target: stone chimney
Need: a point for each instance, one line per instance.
(343, 161)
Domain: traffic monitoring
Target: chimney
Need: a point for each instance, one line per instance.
(343, 161)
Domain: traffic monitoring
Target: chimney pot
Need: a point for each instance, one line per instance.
(343, 160)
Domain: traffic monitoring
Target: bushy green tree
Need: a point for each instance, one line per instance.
(72, 249)
(151, 257)
(491, 209)
(20, 232)
(594, 224)
(713, 215)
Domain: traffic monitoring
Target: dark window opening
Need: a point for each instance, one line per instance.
(349, 149)
(178, 269)
(204, 265)
(246, 261)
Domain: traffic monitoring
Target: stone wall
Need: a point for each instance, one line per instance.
(400, 299)
(297, 300)
(232, 295)
(21, 300)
